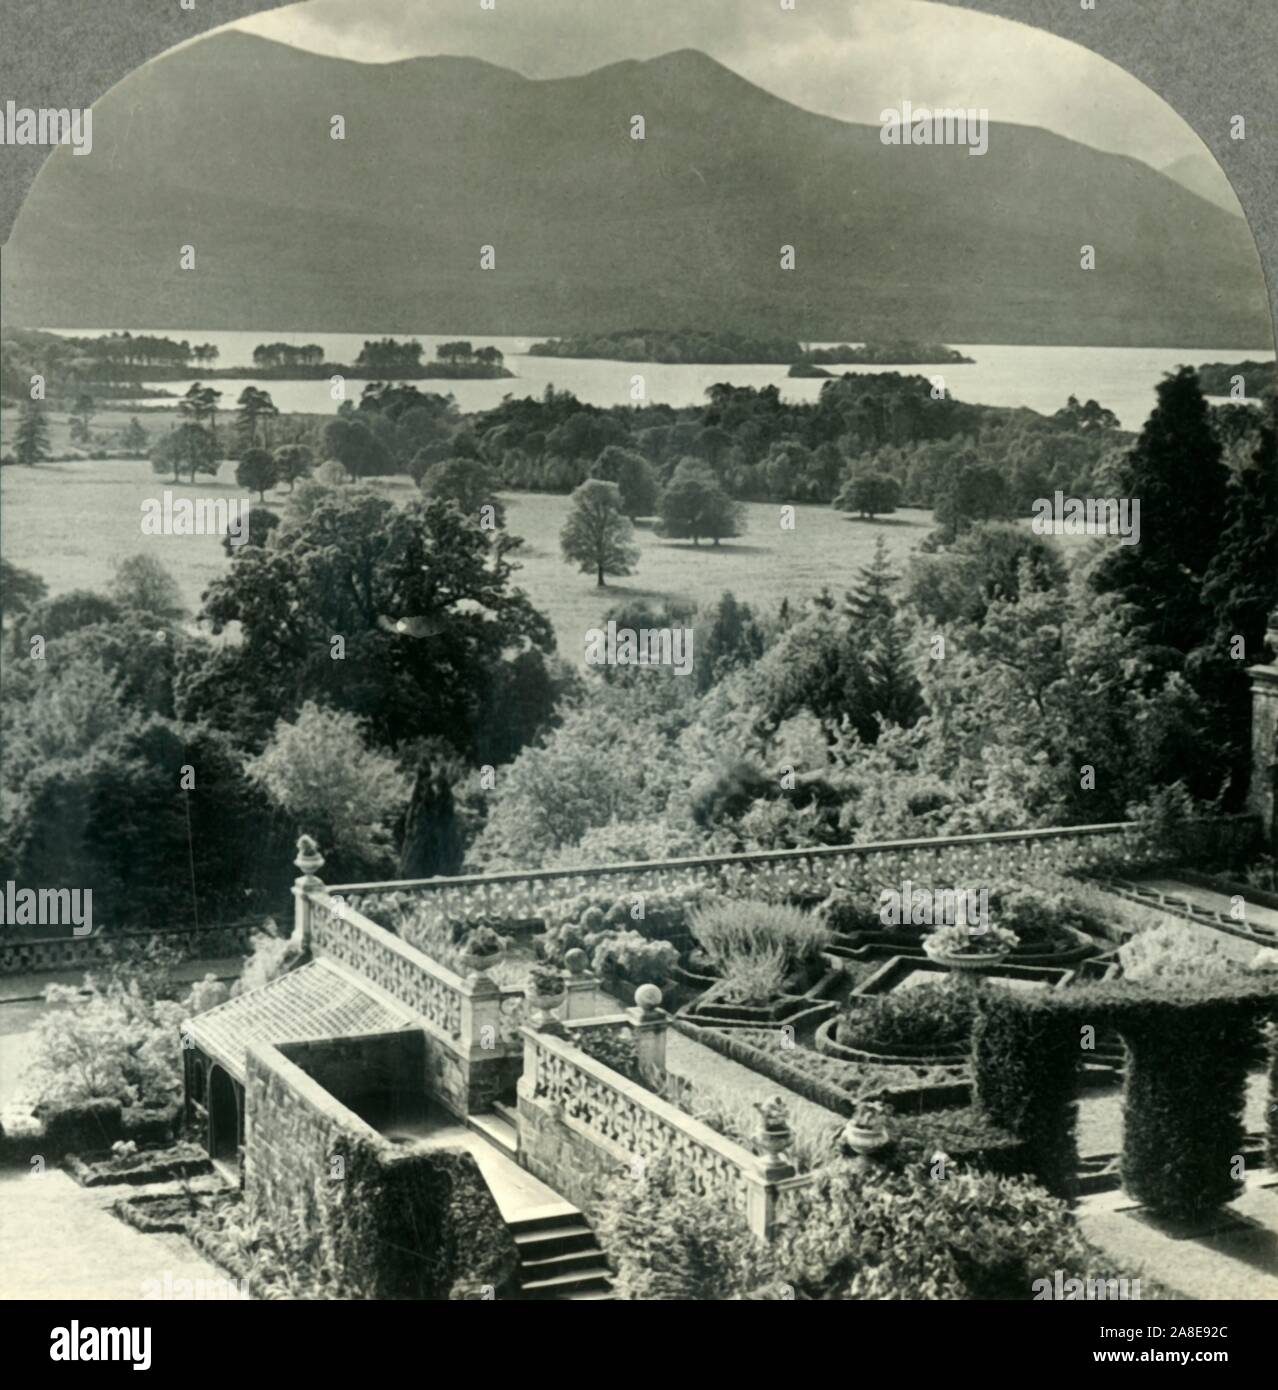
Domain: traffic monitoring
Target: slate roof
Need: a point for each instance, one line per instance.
(318, 1000)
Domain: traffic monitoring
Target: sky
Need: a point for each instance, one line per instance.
(844, 58)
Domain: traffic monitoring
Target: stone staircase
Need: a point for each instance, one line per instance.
(560, 1259)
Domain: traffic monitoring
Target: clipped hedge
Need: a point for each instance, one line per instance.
(1188, 1050)
(84, 1126)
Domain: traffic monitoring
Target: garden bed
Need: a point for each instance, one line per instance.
(898, 1054)
(712, 1010)
(831, 1081)
(104, 1168)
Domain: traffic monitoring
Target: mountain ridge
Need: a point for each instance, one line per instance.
(224, 144)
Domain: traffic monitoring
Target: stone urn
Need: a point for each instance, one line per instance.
(959, 948)
(867, 1133)
(483, 949)
(546, 989)
(775, 1134)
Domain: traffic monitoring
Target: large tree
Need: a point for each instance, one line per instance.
(633, 475)
(256, 471)
(693, 505)
(1175, 471)
(187, 449)
(597, 536)
(406, 616)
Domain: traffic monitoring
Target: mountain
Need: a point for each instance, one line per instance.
(1202, 175)
(225, 145)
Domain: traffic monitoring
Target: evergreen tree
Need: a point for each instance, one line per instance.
(32, 443)
(1175, 471)
(432, 835)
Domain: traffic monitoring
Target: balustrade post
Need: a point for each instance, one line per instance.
(650, 1022)
(310, 861)
(581, 999)
(480, 1014)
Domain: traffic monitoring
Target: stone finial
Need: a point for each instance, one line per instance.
(647, 997)
(309, 860)
(575, 961)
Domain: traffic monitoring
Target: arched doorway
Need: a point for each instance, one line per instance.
(224, 1116)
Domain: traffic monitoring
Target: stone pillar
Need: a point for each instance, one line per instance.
(310, 861)
(649, 1021)
(1262, 795)
(581, 999)
(480, 1014)
(763, 1194)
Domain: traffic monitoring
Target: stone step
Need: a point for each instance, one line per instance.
(595, 1280)
(509, 1113)
(497, 1129)
(591, 1295)
(587, 1261)
(558, 1218)
(536, 1245)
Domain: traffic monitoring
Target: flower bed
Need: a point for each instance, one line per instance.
(104, 1169)
(832, 1081)
(714, 1009)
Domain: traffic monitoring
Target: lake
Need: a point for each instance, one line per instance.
(1042, 378)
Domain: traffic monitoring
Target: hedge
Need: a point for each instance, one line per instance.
(1188, 1050)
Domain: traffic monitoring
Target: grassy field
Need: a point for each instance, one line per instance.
(71, 522)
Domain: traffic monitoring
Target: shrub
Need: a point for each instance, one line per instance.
(628, 956)
(1175, 954)
(665, 1242)
(83, 1126)
(729, 931)
(970, 1236)
(926, 1016)
(269, 957)
(754, 978)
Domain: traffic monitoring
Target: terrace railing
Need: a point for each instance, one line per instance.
(521, 895)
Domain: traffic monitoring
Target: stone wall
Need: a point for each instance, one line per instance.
(381, 1077)
(368, 1219)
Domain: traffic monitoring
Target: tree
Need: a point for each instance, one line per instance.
(32, 443)
(199, 406)
(870, 494)
(143, 584)
(732, 639)
(256, 471)
(633, 474)
(293, 461)
(82, 418)
(970, 492)
(1175, 471)
(135, 438)
(320, 772)
(353, 564)
(255, 408)
(468, 482)
(186, 448)
(597, 535)
(694, 505)
(19, 590)
(433, 841)
(261, 523)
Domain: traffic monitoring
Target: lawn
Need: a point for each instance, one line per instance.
(71, 522)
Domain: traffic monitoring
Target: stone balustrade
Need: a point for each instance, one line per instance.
(516, 896)
(583, 1126)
